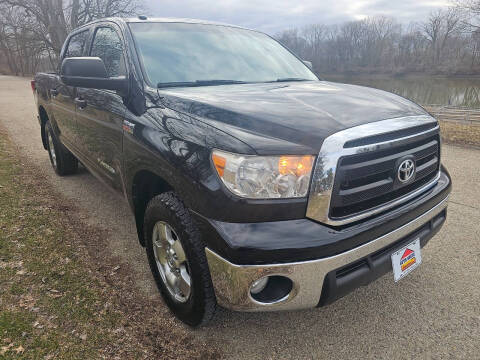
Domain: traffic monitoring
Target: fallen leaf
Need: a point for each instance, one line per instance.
(83, 337)
(4, 349)
(37, 325)
(27, 302)
(19, 349)
(21, 272)
(55, 296)
(119, 330)
(54, 293)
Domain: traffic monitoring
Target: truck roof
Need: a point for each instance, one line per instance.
(172, 20)
(146, 19)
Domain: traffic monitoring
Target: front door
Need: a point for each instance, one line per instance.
(63, 106)
(100, 113)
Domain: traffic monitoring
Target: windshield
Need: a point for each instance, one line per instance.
(182, 54)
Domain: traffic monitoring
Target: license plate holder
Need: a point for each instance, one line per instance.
(405, 260)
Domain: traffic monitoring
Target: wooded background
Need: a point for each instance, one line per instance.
(32, 32)
(447, 42)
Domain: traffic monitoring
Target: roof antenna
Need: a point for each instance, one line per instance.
(142, 17)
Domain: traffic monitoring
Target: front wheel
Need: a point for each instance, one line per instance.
(176, 255)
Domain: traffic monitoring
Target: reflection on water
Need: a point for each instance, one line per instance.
(460, 92)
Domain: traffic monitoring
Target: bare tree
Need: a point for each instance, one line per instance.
(46, 23)
(440, 44)
(19, 44)
(472, 9)
(439, 29)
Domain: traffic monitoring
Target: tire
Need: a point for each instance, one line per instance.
(197, 306)
(62, 160)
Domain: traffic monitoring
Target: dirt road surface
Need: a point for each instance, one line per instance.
(434, 312)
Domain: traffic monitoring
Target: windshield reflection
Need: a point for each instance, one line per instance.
(190, 53)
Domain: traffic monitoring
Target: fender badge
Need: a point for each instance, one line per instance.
(128, 126)
(106, 166)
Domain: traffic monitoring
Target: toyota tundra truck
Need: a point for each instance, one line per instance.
(254, 184)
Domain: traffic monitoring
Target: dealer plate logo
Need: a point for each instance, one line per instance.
(406, 259)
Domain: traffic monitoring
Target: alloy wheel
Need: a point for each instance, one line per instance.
(51, 149)
(171, 261)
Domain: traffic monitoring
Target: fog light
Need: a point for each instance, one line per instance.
(259, 285)
(271, 289)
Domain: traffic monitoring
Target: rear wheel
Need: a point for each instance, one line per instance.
(176, 254)
(62, 160)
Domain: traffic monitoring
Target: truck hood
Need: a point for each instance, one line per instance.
(287, 118)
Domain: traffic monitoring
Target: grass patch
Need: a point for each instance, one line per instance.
(50, 305)
(57, 300)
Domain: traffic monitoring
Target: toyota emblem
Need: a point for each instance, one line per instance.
(406, 170)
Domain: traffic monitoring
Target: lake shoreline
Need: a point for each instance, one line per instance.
(396, 76)
(453, 91)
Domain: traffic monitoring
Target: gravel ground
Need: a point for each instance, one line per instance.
(433, 313)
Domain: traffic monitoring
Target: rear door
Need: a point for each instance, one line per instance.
(100, 113)
(63, 106)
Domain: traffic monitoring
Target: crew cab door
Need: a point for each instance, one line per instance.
(62, 96)
(100, 113)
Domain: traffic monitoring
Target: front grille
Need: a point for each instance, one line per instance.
(356, 171)
(367, 180)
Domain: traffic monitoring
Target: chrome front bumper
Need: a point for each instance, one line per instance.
(232, 282)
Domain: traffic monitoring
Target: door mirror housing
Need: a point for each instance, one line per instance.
(90, 72)
(308, 63)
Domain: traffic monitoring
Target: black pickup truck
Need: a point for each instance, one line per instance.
(254, 184)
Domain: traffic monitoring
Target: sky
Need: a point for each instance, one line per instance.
(273, 16)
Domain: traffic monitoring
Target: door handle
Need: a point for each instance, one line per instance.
(53, 92)
(81, 103)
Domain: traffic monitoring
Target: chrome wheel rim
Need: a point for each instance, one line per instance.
(171, 261)
(51, 149)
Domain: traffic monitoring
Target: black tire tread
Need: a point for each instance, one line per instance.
(67, 163)
(171, 201)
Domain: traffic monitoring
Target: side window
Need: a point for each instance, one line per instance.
(107, 45)
(76, 44)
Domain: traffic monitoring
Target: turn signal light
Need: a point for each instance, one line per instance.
(219, 163)
(295, 165)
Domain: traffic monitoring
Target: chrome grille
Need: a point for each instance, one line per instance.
(355, 173)
(367, 180)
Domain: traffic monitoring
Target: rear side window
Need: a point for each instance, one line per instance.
(107, 45)
(76, 44)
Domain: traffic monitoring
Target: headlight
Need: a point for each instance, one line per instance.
(264, 177)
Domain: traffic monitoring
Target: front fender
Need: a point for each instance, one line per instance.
(178, 149)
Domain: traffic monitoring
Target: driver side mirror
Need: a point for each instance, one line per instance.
(90, 72)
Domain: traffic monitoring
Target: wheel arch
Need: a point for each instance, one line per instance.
(146, 184)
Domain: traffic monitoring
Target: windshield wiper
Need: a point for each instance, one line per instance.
(291, 79)
(199, 83)
(218, 82)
